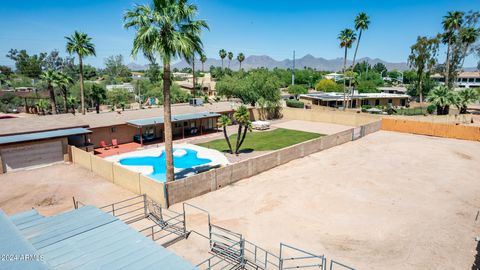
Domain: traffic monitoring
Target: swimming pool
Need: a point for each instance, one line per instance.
(183, 160)
(188, 159)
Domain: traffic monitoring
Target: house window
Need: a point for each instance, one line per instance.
(113, 129)
(471, 80)
(185, 124)
(364, 102)
(402, 102)
(390, 101)
(377, 102)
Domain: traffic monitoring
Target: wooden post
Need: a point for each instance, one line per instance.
(141, 137)
(183, 130)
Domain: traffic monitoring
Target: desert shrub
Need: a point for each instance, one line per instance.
(295, 104)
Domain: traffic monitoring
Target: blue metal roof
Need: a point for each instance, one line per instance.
(89, 238)
(43, 135)
(12, 243)
(175, 118)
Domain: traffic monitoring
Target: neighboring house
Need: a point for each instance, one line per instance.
(393, 90)
(138, 75)
(372, 99)
(127, 86)
(334, 76)
(467, 79)
(207, 85)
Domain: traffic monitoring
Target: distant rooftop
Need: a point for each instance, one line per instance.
(105, 119)
(339, 96)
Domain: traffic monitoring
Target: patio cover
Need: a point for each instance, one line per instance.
(43, 135)
(175, 118)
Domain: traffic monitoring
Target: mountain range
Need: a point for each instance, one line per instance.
(258, 61)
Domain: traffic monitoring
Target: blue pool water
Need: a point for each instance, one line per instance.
(186, 161)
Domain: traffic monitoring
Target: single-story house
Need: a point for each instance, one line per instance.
(373, 99)
(38, 140)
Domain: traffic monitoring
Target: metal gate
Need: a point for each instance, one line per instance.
(294, 258)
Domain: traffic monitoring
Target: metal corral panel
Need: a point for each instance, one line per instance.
(175, 118)
(31, 155)
(89, 238)
(12, 244)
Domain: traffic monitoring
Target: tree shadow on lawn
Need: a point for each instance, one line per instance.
(242, 151)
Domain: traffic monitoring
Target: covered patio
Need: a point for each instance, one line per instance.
(183, 126)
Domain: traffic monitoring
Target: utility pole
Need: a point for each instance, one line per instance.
(293, 69)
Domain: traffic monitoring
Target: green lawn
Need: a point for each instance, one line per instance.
(265, 140)
(411, 111)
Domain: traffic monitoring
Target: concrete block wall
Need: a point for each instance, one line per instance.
(193, 186)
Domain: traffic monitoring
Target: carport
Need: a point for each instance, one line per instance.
(22, 151)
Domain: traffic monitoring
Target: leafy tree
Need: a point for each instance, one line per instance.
(423, 57)
(28, 65)
(9, 102)
(326, 85)
(242, 117)
(297, 90)
(380, 68)
(465, 97)
(222, 53)
(153, 72)
(64, 81)
(362, 67)
(81, 45)
(118, 96)
(451, 23)
(347, 37)
(5, 70)
(230, 57)
(442, 97)
(240, 58)
(114, 67)
(224, 121)
(55, 62)
(50, 78)
(98, 95)
(468, 36)
(166, 29)
(427, 85)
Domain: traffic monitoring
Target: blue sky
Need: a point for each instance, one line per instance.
(261, 27)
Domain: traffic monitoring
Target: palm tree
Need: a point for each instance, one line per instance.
(442, 97)
(42, 105)
(230, 57)
(222, 53)
(50, 77)
(166, 29)
(242, 116)
(225, 121)
(72, 103)
(203, 59)
(451, 22)
(362, 21)
(98, 95)
(465, 97)
(346, 37)
(64, 81)
(468, 36)
(240, 58)
(81, 44)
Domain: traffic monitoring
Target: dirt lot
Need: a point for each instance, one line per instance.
(387, 201)
(50, 189)
(309, 126)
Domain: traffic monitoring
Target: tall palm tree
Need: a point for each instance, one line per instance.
(203, 59)
(468, 36)
(81, 44)
(166, 29)
(347, 37)
(222, 53)
(225, 121)
(362, 21)
(240, 58)
(451, 22)
(50, 78)
(64, 81)
(230, 57)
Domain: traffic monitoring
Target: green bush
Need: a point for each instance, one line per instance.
(431, 108)
(295, 104)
